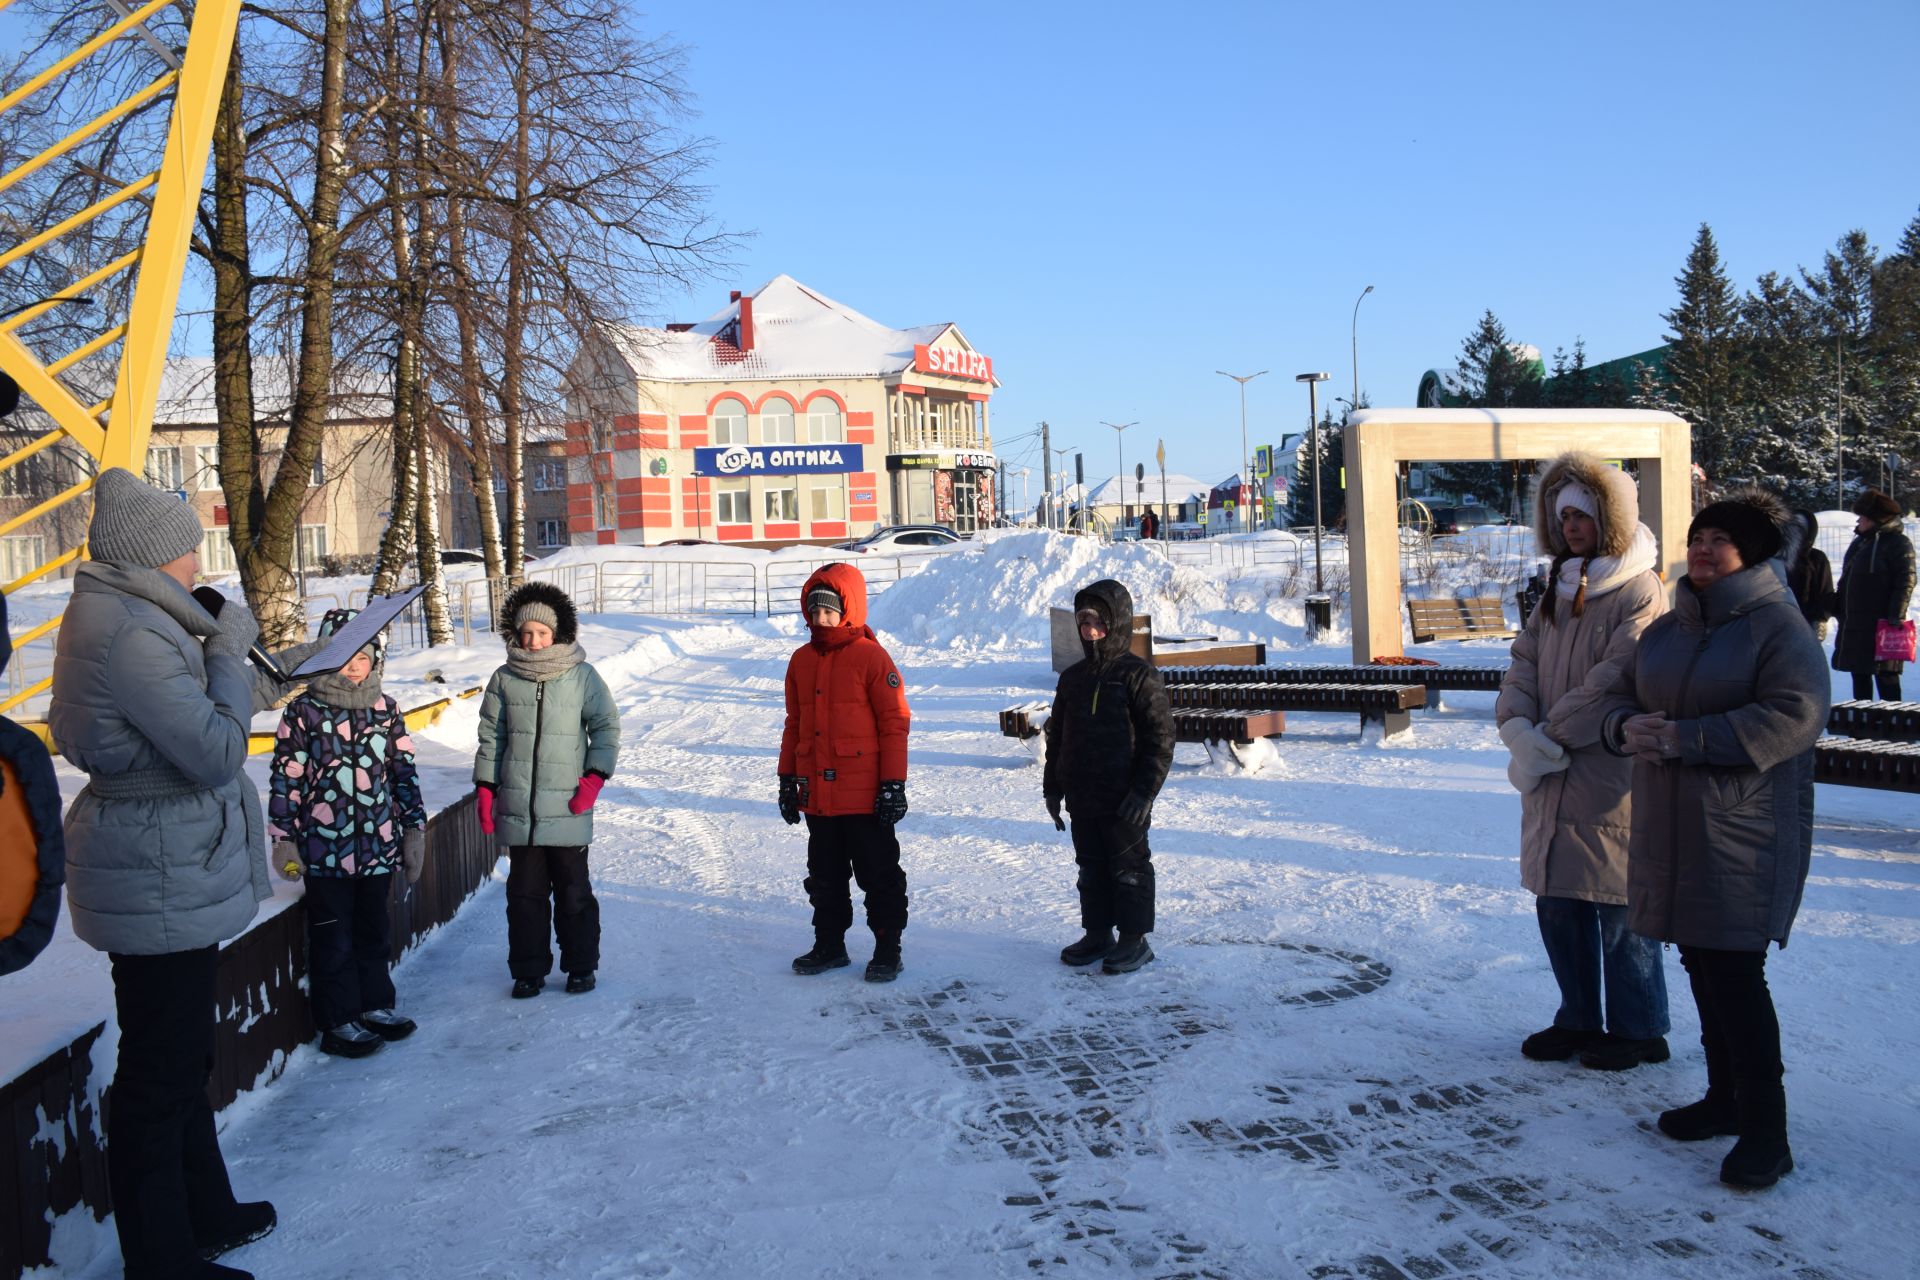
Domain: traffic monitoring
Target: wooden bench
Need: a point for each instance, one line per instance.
(1190, 724)
(1472, 679)
(1243, 712)
(1217, 655)
(1477, 618)
(1879, 721)
(1870, 744)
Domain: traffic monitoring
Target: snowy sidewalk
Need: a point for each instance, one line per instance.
(1318, 1077)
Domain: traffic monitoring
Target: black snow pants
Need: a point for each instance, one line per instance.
(349, 937)
(548, 893)
(165, 1172)
(863, 846)
(1116, 874)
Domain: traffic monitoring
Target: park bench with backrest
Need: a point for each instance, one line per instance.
(1475, 618)
(1477, 678)
(1870, 744)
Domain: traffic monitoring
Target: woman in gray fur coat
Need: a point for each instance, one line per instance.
(1720, 710)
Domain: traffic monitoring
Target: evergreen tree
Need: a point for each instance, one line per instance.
(1894, 348)
(1333, 458)
(1781, 432)
(1493, 372)
(1841, 292)
(1701, 364)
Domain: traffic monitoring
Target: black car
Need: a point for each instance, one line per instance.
(1461, 519)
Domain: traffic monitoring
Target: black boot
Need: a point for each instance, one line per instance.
(1617, 1054)
(1128, 954)
(580, 983)
(829, 952)
(350, 1040)
(1096, 944)
(247, 1223)
(1715, 1115)
(527, 988)
(1761, 1157)
(1557, 1043)
(885, 965)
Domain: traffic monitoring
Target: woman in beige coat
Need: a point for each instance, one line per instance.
(1576, 812)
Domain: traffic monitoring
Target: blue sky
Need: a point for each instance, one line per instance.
(1115, 200)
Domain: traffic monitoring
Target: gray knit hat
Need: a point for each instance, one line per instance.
(137, 525)
(534, 611)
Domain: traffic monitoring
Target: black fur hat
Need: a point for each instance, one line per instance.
(543, 597)
(1758, 520)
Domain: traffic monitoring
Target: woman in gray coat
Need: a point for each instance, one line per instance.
(1721, 707)
(1575, 807)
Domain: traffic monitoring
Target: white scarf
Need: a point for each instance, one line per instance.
(1609, 573)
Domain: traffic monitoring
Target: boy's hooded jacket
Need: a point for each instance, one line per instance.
(32, 849)
(343, 783)
(1111, 730)
(847, 716)
(546, 720)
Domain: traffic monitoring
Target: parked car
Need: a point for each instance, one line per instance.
(1460, 519)
(461, 555)
(902, 537)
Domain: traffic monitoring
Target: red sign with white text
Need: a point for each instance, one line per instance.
(952, 362)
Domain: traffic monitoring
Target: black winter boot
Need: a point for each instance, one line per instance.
(1557, 1043)
(247, 1223)
(1618, 1054)
(1128, 954)
(1761, 1157)
(829, 952)
(1096, 944)
(350, 1040)
(885, 965)
(1714, 1116)
(527, 988)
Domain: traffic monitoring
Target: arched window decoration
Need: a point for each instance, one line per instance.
(730, 422)
(776, 422)
(824, 423)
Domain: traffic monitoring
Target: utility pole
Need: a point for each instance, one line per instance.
(1046, 471)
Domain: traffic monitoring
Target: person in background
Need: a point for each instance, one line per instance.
(1876, 584)
(1576, 795)
(1810, 577)
(843, 767)
(1109, 746)
(345, 813)
(549, 737)
(1149, 525)
(1720, 708)
(33, 850)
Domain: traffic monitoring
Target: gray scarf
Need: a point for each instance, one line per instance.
(554, 660)
(335, 690)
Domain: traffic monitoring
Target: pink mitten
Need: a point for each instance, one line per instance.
(586, 793)
(484, 803)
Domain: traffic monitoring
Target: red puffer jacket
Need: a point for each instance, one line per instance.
(847, 714)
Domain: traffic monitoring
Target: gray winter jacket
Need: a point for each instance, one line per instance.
(166, 848)
(537, 738)
(1723, 834)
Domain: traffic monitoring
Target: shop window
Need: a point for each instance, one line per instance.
(549, 533)
(783, 501)
(163, 467)
(824, 424)
(734, 504)
(828, 500)
(20, 555)
(776, 423)
(729, 422)
(216, 552)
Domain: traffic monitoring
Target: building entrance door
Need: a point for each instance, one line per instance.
(966, 501)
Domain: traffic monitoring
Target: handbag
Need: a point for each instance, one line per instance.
(1893, 641)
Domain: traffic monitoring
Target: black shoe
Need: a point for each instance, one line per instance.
(579, 983)
(1557, 1044)
(1710, 1117)
(1615, 1054)
(350, 1040)
(1128, 954)
(828, 953)
(1757, 1163)
(247, 1223)
(1093, 945)
(215, 1271)
(387, 1024)
(528, 988)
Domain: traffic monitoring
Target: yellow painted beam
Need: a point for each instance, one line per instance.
(262, 743)
(41, 387)
(92, 127)
(84, 52)
(75, 290)
(64, 558)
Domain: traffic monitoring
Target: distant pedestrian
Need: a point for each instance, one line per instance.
(344, 814)
(1575, 809)
(1720, 708)
(1149, 526)
(1109, 746)
(1810, 577)
(1876, 585)
(843, 767)
(549, 738)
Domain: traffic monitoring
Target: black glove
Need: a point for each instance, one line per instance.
(891, 804)
(1134, 811)
(790, 798)
(1053, 807)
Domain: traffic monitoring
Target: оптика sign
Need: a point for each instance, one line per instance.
(779, 460)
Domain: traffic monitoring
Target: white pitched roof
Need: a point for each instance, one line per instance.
(1117, 491)
(186, 392)
(797, 333)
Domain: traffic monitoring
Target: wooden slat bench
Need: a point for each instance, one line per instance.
(1858, 762)
(1476, 618)
(1190, 724)
(1216, 655)
(1387, 703)
(1879, 721)
(1472, 679)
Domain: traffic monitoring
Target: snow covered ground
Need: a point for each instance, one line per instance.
(1319, 1075)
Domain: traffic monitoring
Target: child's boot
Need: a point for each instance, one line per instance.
(1097, 944)
(1128, 954)
(829, 952)
(885, 965)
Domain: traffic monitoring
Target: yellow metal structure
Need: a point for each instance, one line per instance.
(259, 744)
(113, 432)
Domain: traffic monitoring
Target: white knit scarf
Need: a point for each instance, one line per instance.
(1609, 573)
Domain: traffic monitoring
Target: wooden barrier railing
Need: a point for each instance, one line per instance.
(52, 1158)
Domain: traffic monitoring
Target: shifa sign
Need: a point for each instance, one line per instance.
(953, 363)
(778, 460)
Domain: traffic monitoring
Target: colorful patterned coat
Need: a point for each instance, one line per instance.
(344, 786)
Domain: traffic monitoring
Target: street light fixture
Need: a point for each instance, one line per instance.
(1245, 457)
(1313, 381)
(1119, 461)
(1356, 345)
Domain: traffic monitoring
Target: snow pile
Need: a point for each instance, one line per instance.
(998, 595)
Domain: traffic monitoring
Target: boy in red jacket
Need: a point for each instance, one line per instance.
(843, 764)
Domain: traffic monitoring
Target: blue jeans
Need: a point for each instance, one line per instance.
(1588, 940)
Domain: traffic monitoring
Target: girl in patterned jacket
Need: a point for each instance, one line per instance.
(345, 814)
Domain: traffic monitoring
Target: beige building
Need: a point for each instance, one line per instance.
(783, 417)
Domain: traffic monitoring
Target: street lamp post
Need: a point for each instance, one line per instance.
(1119, 462)
(1319, 608)
(1243, 380)
(1356, 345)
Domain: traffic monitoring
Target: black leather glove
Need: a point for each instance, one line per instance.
(1134, 811)
(790, 798)
(1053, 807)
(891, 804)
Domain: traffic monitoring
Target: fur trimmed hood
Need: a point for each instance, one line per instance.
(1614, 489)
(566, 628)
